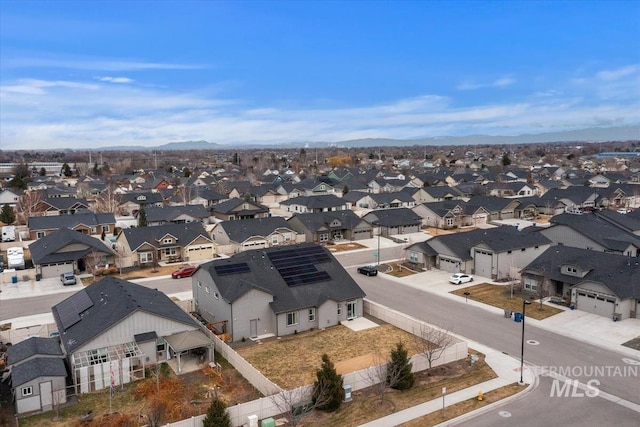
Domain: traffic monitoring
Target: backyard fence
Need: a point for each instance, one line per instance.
(271, 406)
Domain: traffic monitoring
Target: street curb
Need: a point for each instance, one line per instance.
(499, 403)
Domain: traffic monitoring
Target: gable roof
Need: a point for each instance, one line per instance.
(39, 367)
(33, 346)
(317, 220)
(109, 301)
(169, 213)
(184, 233)
(619, 273)
(227, 206)
(241, 230)
(393, 217)
(45, 249)
(89, 219)
(262, 274)
(597, 229)
(498, 239)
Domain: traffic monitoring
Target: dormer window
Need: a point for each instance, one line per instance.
(167, 240)
(141, 198)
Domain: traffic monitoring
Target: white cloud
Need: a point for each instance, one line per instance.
(116, 79)
(472, 85)
(618, 73)
(70, 114)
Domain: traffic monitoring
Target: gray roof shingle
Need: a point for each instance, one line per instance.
(112, 300)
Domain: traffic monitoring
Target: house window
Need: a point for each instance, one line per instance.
(105, 228)
(413, 257)
(40, 234)
(274, 240)
(161, 345)
(167, 241)
(245, 206)
(323, 237)
(27, 391)
(449, 222)
(97, 356)
(292, 318)
(530, 283)
(170, 252)
(339, 309)
(145, 257)
(287, 237)
(312, 315)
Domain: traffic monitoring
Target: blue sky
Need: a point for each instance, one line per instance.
(88, 74)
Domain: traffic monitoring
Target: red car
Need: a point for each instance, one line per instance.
(184, 272)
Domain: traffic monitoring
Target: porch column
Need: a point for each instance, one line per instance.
(179, 364)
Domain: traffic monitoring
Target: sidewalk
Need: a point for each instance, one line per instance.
(506, 367)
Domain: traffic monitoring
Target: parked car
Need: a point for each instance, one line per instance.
(68, 278)
(184, 272)
(458, 278)
(368, 270)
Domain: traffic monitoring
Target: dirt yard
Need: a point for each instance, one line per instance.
(344, 247)
(292, 361)
(500, 296)
(179, 396)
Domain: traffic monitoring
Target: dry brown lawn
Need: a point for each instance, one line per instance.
(397, 270)
(500, 296)
(366, 405)
(293, 361)
(343, 247)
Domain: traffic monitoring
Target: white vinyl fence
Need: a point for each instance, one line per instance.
(266, 407)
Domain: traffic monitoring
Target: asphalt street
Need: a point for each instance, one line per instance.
(538, 408)
(550, 351)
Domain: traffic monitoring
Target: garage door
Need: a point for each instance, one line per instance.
(483, 261)
(362, 234)
(594, 303)
(55, 270)
(450, 265)
(480, 219)
(199, 253)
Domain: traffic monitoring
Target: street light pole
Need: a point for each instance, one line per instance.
(378, 257)
(525, 303)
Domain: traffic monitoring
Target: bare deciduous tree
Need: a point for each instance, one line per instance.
(432, 342)
(297, 403)
(27, 206)
(382, 375)
(108, 201)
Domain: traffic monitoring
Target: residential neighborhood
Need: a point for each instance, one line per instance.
(289, 251)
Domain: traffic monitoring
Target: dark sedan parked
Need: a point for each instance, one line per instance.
(368, 270)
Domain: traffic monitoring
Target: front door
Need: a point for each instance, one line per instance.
(352, 310)
(253, 328)
(46, 397)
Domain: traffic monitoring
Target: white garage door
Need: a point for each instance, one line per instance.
(450, 265)
(483, 261)
(198, 253)
(596, 304)
(362, 234)
(55, 270)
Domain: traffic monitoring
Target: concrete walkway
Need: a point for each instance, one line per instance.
(506, 367)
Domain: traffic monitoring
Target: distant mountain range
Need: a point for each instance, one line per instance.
(596, 134)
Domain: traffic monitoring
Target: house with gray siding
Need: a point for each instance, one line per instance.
(324, 227)
(276, 292)
(496, 253)
(114, 328)
(593, 232)
(245, 234)
(600, 283)
(38, 374)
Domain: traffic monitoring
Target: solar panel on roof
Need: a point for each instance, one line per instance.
(70, 309)
(297, 266)
(228, 269)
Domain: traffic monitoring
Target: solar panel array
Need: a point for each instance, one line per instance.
(70, 309)
(228, 269)
(297, 266)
